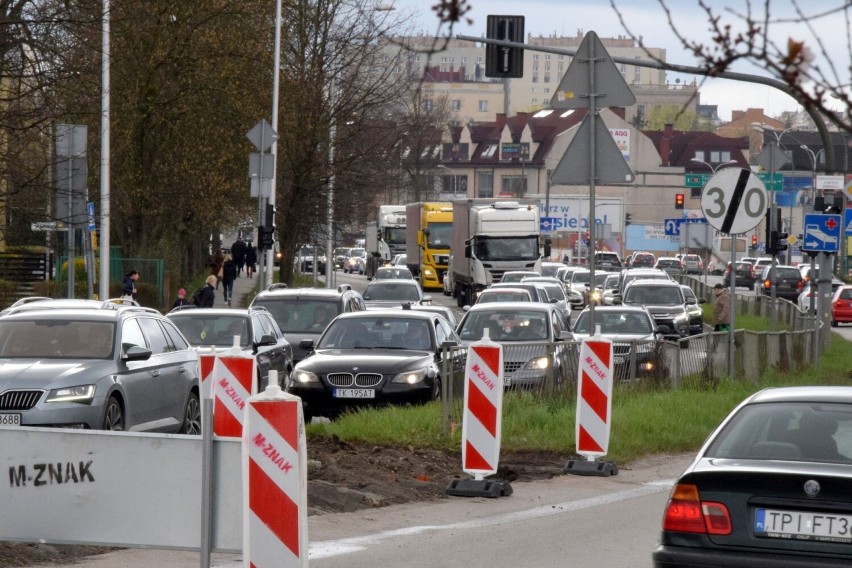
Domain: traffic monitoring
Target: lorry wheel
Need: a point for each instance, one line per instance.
(460, 299)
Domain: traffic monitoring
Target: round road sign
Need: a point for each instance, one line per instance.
(734, 201)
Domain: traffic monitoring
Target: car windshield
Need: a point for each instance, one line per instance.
(554, 291)
(300, 315)
(374, 332)
(507, 248)
(203, 329)
(514, 325)
(496, 296)
(392, 273)
(440, 235)
(56, 339)
(612, 323)
(392, 291)
(657, 295)
(358, 252)
(668, 263)
(395, 235)
(797, 431)
(581, 278)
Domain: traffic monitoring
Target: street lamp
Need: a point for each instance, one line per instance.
(718, 166)
(814, 160)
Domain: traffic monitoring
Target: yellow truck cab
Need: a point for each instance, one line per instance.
(429, 226)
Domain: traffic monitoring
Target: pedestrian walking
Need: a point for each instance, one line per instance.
(251, 259)
(721, 308)
(128, 286)
(229, 273)
(238, 251)
(216, 265)
(208, 293)
(181, 299)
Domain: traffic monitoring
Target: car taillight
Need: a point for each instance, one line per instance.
(685, 512)
(767, 284)
(800, 284)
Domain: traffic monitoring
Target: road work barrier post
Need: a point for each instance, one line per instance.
(594, 407)
(481, 422)
(206, 362)
(275, 480)
(233, 383)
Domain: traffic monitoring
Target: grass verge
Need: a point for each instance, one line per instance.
(644, 421)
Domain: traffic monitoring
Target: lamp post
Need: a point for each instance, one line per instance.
(814, 160)
(329, 245)
(760, 127)
(712, 168)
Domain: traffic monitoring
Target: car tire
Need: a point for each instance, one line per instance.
(833, 323)
(113, 415)
(192, 416)
(684, 344)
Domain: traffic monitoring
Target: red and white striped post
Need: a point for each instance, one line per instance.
(482, 420)
(594, 407)
(275, 481)
(206, 362)
(233, 383)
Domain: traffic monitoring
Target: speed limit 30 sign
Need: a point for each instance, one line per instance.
(734, 201)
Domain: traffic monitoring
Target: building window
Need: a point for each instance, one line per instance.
(546, 90)
(535, 101)
(479, 60)
(456, 104)
(483, 106)
(513, 186)
(428, 105)
(699, 155)
(456, 185)
(464, 60)
(535, 67)
(489, 151)
(535, 78)
(726, 156)
(443, 60)
(547, 57)
(547, 78)
(485, 184)
(547, 66)
(715, 157)
(535, 56)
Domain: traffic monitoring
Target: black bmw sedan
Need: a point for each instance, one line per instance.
(772, 486)
(372, 358)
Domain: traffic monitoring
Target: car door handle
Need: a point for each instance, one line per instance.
(155, 373)
(181, 370)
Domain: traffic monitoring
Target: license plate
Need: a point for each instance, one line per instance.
(800, 525)
(354, 393)
(9, 419)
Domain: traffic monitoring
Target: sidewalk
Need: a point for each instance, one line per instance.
(243, 293)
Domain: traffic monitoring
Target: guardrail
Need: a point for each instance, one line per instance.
(548, 370)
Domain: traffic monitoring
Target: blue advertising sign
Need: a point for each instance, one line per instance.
(673, 225)
(822, 232)
(548, 224)
(847, 222)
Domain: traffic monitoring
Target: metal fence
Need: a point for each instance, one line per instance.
(548, 370)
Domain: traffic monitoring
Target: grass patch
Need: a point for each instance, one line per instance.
(644, 421)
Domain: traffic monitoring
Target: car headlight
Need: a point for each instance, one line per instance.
(411, 377)
(82, 393)
(303, 377)
(646, 366)
(538, 364)
(428, 272)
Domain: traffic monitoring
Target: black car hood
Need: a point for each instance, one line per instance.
(665, 310)
(376, 360)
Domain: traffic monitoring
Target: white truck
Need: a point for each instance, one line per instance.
(386, 237)
(490, 237)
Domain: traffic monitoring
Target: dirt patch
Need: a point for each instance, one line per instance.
(344, 477)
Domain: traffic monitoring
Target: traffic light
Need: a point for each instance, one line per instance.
(504, 62)
(269, 221)
(780, 241)
(773, 224)
(265, 237)
(754, 240)
(679, 200)
(628, 218)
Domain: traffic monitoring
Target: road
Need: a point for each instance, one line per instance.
(582, 521)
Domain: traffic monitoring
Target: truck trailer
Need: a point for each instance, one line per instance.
(386, 237)
(429, 229)
(491, 237)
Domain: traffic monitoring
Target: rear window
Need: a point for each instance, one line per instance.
(668, 263)
(300, 315)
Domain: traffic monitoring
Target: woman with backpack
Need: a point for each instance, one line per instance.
(205, 296)
(229, 274)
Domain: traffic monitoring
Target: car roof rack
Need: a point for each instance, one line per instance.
(29, 299)
(184, 307)
(276, 286)
(114, 303)
(344, 287)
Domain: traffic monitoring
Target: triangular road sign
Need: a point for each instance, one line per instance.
(573, 168)
(575, 87)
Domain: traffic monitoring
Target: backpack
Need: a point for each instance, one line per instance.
(196, 297)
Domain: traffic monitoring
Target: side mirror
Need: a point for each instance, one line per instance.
(266, 339)
(136, 353)
(306, 344)
(467, 251)
(563, 336)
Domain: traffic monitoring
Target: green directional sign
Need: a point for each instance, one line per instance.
(695, 180)
(773, 182)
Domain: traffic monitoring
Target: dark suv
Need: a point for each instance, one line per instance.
(665, 300)
(788, 282)
(607, 261)
(304, 313)
(111, 367)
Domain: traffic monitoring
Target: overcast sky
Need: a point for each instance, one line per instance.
(647, 18)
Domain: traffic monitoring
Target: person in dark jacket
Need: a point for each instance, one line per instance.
(238, 251)
(251, 259)
(229, 273)
(128, 285)
(181, 300)
(208, 293)
(216, 266)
